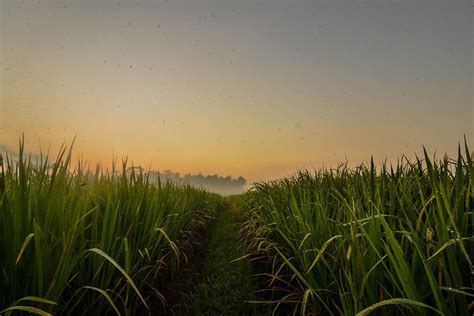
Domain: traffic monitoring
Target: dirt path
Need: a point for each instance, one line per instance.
(224, 286)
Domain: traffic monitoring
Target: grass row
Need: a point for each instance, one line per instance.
(82, 242)
(349, 241)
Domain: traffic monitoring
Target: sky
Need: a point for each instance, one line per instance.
(243, 88)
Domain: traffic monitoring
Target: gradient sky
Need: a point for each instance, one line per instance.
(256, 89)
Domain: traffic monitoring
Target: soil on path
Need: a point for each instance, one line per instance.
(224, 287)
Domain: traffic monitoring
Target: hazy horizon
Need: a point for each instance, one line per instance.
(237, 88)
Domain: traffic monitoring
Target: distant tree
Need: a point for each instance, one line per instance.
(223, 185)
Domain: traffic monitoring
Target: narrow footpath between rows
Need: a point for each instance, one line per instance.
(224, 286)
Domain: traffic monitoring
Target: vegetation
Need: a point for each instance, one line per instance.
(77, 241)
(353, 240)
(348, 241)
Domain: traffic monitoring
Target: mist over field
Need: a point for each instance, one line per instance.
(214, 183)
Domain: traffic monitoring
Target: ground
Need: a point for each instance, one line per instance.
(220, 286)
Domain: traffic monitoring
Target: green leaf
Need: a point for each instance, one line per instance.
(125, 274)
(23, 247)
(29, 309)
(104, 294)
(396, 301)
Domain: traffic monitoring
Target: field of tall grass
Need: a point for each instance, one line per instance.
(90, 242)
(349, 241)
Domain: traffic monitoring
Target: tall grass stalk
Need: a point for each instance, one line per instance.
(80, 241)
(395, 239)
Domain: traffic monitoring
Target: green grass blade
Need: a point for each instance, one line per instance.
(23, 247)
(124, 273)
(104, 294)
(396, 301)
(29, 309)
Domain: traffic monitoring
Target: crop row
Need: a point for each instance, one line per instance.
(82, 242)
(347, 241)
